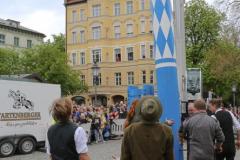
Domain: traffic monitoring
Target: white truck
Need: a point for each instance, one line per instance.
(24, 115)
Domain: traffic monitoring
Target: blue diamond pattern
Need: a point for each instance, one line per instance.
(170, 41)
(168, 8)
(161, 41)
(159, 9)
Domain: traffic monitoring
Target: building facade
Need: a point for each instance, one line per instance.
(13, 35)
(117, 34)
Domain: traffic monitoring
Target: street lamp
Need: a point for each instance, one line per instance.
(95, 71)
(234, 90)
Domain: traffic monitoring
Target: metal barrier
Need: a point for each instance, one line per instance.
(117, 127)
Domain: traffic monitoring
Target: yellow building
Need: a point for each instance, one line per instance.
(117, 34)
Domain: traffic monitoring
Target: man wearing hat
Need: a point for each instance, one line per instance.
(148, 139)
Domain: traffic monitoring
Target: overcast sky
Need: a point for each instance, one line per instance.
(45, 16)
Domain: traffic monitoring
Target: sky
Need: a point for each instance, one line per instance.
(45, 16)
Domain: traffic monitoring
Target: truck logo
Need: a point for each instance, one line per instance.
(20, 100)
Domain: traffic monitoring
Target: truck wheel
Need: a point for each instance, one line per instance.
(26, 145)
(7, 148)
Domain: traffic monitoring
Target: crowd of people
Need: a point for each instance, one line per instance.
(100, 118)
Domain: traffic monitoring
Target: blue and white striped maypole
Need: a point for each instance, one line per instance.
(166, 68)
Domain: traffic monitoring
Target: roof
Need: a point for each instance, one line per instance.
(23, 77)
(15, 25)
(70, 2)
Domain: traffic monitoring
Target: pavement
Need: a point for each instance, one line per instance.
(101, 151)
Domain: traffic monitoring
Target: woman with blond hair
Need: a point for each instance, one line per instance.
(66, 140)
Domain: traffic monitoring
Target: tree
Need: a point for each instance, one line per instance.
(202, 25)
(9, 62)
(222, 62)
(51, 63)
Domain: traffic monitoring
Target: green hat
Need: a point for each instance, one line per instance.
(150, 109)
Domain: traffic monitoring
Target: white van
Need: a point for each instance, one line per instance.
(24, 115)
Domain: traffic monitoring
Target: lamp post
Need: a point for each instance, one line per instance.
(234, 90)
(95, 71)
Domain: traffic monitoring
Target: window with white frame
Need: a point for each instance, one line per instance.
(129, 7)
(117, 9)
(142, 4)
(96, 9)
(143, 51)
(16, 41)
(83, 79)
(74, 16)
(117, 53)
(151, 76)
(74, 58)
(143, 77)
(82, 36)
(74, 37)
(130, 53)
(118, 79)
(96, 56)
(81, 14)
(117, 32)
(151, 26)
(82, 58)
(97, 80)
(96, 32)
(130, 78)
(129, 30)
(143, 26)
(2, 39)
(151, 51)
(29, 43)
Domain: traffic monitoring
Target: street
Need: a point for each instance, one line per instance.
(97, 152)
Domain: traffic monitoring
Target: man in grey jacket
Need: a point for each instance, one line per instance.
(203, 131)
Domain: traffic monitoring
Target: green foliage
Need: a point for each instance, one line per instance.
(223, 67)
(9, 62)
(202, 26)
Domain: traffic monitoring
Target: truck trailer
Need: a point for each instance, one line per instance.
(24, 115)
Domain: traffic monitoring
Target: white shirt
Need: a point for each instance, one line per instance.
(80, 139)
(236, 124)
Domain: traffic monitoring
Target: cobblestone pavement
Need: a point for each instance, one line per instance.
(97, 152)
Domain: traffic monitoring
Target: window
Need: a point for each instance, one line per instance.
(74, 37)
(96, 10)
(151, 77)
(151, 26)
(117, 79)
(82, 37)
(143, 51)
(142, 4)
(97, 80)
(81, 14)
(96, 32)
(82, 58)
(96, 56)
(117, 53)
(117, 32)
(151, 51)
(74, 16)
(83, 79)
(142, 26)
(74, 58)
(130, 53)
(117, 9)
(130, 78)
(143, 77)
(129, 7)
(129, 30)
(2, 39)
(29, 43)
(16, 41)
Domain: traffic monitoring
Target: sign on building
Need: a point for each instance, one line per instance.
(194, 83)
